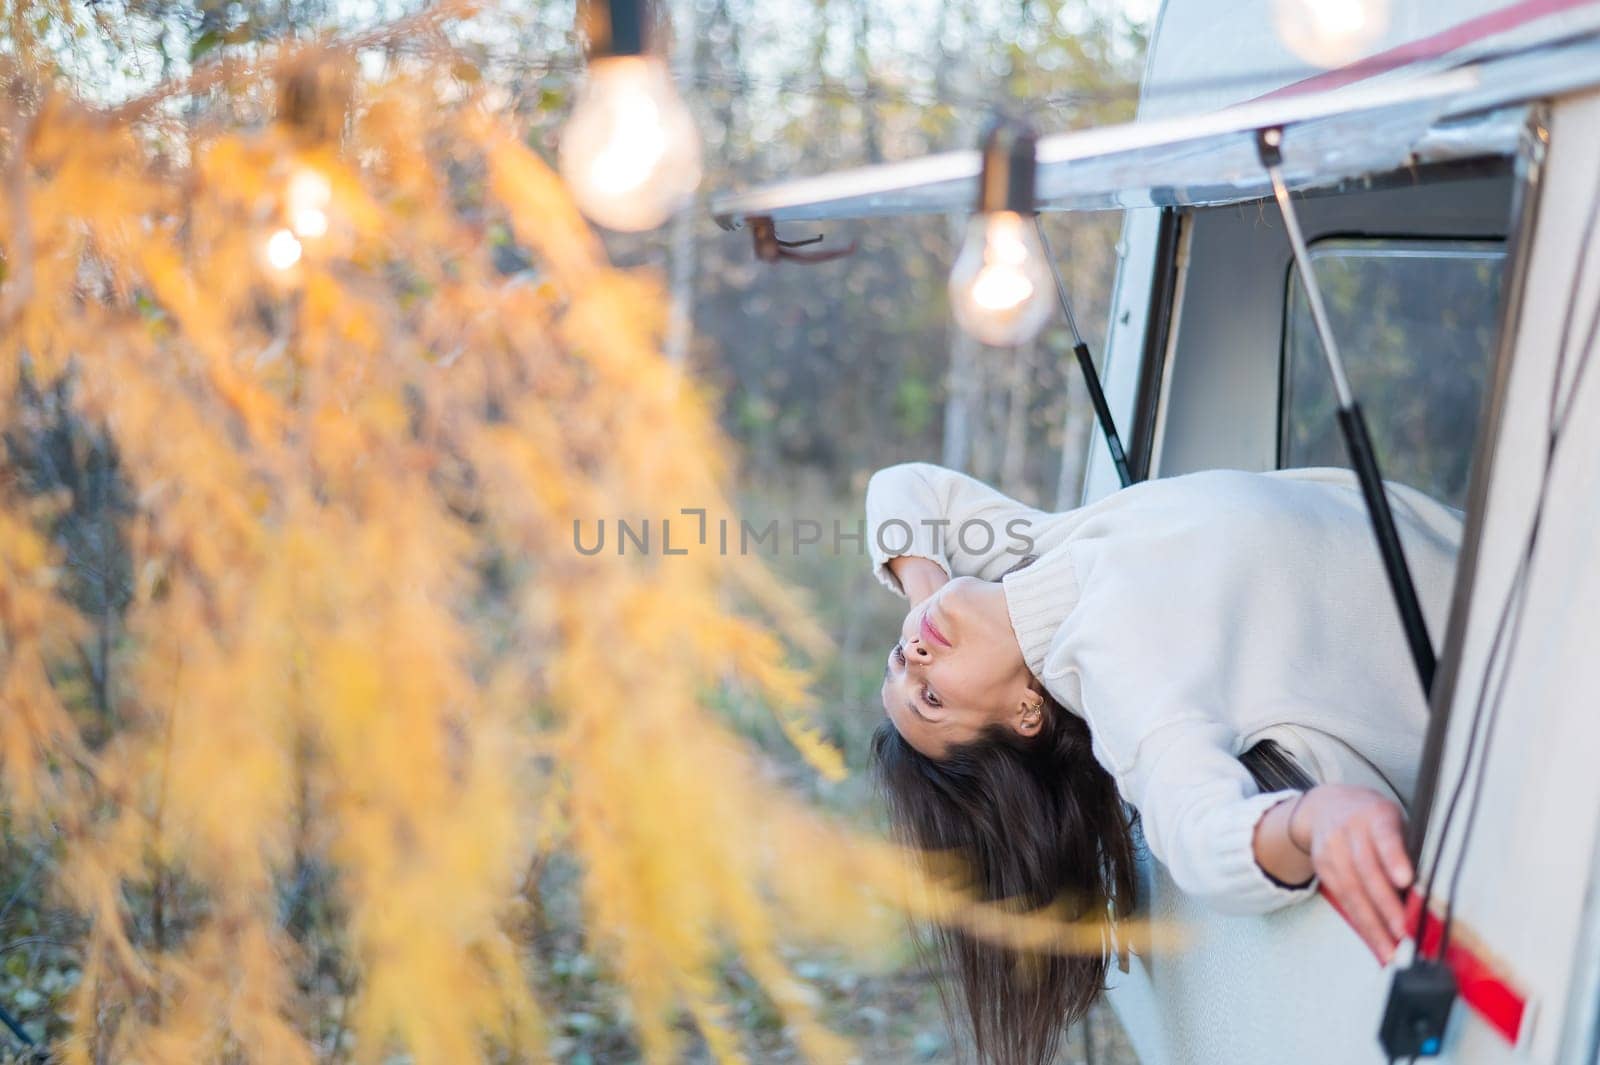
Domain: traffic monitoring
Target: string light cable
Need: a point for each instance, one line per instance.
(740, 82)
(424, 33)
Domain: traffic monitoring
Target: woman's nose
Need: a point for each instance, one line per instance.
(916, 649)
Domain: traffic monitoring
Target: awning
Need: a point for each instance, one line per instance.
(1469, 112)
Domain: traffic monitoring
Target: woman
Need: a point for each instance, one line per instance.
(1145, 643)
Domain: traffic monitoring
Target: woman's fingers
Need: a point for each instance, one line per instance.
(1375, 879)
(1389, 836)
(1336, 866)
(1358, 850)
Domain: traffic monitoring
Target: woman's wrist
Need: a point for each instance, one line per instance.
(1299, 837)
(919, 577)
(1279, 855)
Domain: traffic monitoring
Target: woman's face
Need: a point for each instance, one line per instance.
(956, 669)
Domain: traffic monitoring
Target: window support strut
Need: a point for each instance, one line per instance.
(1353, 425)
(1091, 377)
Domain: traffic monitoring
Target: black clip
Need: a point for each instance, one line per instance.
(1269, 146)
(1418, 1010)
(771, 248)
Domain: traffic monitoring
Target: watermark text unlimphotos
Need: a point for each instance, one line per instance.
(675, 536)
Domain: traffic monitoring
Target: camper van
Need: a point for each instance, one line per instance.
(1446, 184)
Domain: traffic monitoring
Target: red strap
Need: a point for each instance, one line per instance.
(1483, 986)
(1488, 991)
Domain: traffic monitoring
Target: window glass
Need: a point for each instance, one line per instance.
(1415, 322)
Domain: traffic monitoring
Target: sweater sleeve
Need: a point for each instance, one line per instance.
(967, 527)
(1199, 807)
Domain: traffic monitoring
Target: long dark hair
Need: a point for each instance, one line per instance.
(1036, 822)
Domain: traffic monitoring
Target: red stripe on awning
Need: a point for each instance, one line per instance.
(1433, 46)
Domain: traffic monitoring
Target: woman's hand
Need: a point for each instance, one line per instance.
(1356, 840)
(919, 577)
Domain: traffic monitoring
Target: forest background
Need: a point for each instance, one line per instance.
(819, 374)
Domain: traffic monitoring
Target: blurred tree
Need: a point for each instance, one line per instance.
(787, 341)
(301, 680)
(301, 670)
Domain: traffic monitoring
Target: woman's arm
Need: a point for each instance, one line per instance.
(958, 523)
(1200, 810)
(1352, 839)
(1249, 852)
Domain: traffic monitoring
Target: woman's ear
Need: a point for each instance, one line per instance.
(1030, 713)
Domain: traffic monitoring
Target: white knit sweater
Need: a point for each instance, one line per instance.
(1181, 617)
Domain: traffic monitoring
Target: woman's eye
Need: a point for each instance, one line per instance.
(899, 656)
(932, 699)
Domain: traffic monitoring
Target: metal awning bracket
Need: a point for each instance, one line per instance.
(770, 248)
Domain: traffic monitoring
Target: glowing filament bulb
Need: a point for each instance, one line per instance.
(307, 203)
(283, 250)
(1330, 33)
(1000, 286)
(630, 152)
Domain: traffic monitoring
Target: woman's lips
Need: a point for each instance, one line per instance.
(929, 632)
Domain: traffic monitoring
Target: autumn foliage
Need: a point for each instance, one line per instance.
(354, 656)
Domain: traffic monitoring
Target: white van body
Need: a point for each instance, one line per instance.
(1298, 986)
(1448, 186)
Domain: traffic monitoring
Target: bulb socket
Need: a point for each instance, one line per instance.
(616, 27)
(1010, 163)
(1269, 146)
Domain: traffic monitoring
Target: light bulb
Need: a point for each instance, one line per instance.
(1001, 287)
(630, 153)
(307, 201)
(1330, 33)
(283, 250)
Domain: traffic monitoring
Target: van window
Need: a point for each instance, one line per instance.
(1416, 322)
